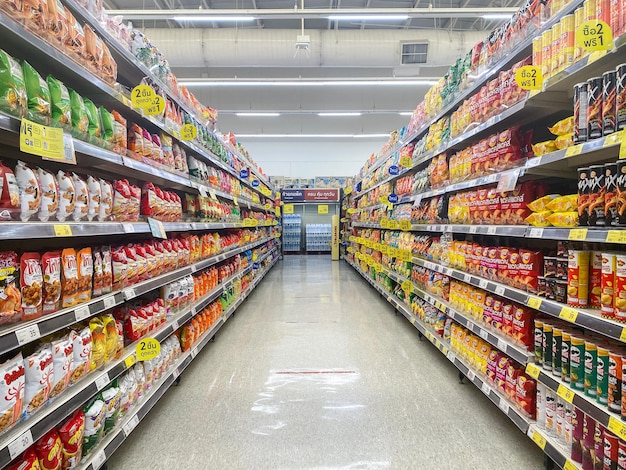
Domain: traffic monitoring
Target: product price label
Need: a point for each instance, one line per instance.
(471, 375)
(27, 334)
(102, 381)
(288, 209)
(82, 312)
(188, 132)
(277, 212)
(529, 77)
(577, 234)
(62, 230)
(213, 194)
(504, 406)
(130, 361)
(235, 201)
(156, 228)
(129, 293)
(502, 345)
(473, 229)
(147, 349)
(484, 335)
(156, 108)
(533, 371)
(130, 426)
(617, 427)
(622, 336)
(405, 255)
(384, 223)
(467, 278)
(482, 283)
(407, 286)
(573, 151)
(492, 230)
(616, 236)
(348, 190)
(20, 444)
(569, 465)
(539, 440)
(406, 162)
(43, 141)
(394, 225)
(322, 209)
(451, 357)
(351, 210)
(565, 393)
(568, 314)
(535, 233)
(412, 320)
(594, 35)
(109, 302)
(533, 302)
(622, 147)
(500, 290)
(508, 181)
(405, 225)
(485, 388)
(394, 170)
(141, 96)
(98, 460)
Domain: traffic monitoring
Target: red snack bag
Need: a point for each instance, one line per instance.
(49, 451)
(529, 268)
(32, 285)
(119, 267)
(492, 364)
(9, 194)
(107, 270)
(132, 265)
(508, 313)
(134, 208)
(71, 436)
(98, 273)
(501, 368)
(10, 295)
(69, 277)
(28, 461)
(525, 395)
(509, 148)
(121, 200)
(51, 266)
(512, 375)
(85, 275)
(523, 329)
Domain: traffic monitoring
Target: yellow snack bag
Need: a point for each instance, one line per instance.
(564, 219)
(541, 204)
(563, 203)
(563, 127)
(564, 141)
(541, 148)
(98, 343)
(539, 219)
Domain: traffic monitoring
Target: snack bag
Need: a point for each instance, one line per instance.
(82, 348)
(9, 194)
(563, 127)
(62, 363)
(10, 295)
(121, 200)
(541, 204)
(56, 21)
(98, 343)
(80, 120)
(32, 285)
(28, 461)
(61, 109)
(30, 192)
(81, 206)
(49, 195)
(98, 273)
(72, 433)
(564, 219)
(38, 373)
(564, 141)
(75, 40)
(111, 336)
(119, 137)
(106, 201)
(12, 382)
(95, 195)
(93, 119)
(563, 203)
(112, 398)
(107, 270)
(95, 413)
(13, 98)
(38, 95)
(51, 267)
(119, 267)
(69, 277)
(67, 196)
(49, 451)
(85, 275)
(106, 118)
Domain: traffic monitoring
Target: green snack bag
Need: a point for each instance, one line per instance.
(60, 101)
(12, 89)
(95, 414)
(108, 128)
(93, 117)
(112, 397)
(37, 93)
(79, 115)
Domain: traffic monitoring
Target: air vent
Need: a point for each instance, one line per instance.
(414, 53)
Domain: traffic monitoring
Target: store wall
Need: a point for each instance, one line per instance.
(300, 159)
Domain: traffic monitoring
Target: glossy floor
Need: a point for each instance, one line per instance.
(316, 372)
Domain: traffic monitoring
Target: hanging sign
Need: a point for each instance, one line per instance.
(393, 198)
(147, 349)
(188, 132)
(594, 35)
(529, 77)
(243, 174)
(394, 170)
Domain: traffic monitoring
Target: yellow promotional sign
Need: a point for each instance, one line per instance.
(529, 77)
(594, 35)
(147, 349)
(288, 209)
(43, 141)
(188, 132)
(156, 107)
(142, 96)
(62, 230)
(406, 162)
(322, 209)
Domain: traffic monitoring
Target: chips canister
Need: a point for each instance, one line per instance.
(595, 280)
(602, 373)
(551, 411)
(620, 287)
(608, 102)
(579, 18)
(591, 361)
(565, 348)
(540, 405)
(621, 456)
(620, 93)
(537, 51)
(615, 382)
(594, 108)
(578, 278)
(546, 54)
(557, 344)
(583, 196)
(577, 434)
(611, 450)
(581, 107)
(538, 342)
(555, 48)
(589, 432)
(610, 196)
(621, 192)
(560, 419)
(547, 346)
(577, 362)
(597, 191)
(567, 41)
(598, 447)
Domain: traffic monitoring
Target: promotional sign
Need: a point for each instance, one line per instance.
(310, 195)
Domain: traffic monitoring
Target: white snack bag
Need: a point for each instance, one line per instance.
(95, 196)
(106, 201)
(67, 197)
(11, 392)
(38, 370)
(49, 195)
(82, 198)
(83, 344)
(62, 363)
(30, 192)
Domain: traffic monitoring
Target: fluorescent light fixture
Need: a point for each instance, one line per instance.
(406, 113)
(306, 83)
(497, 16)
(368, 17)
(259, 114)
(213, 18)
(311, 136)
(338, 114)
(369, 136)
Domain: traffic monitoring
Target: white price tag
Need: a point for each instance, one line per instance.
(535, 233)
(176, 373)
(533, 162)
(482, 283)
(203, 190)
(473, 229)
(129, 293)
(467, 278)
(20, 444)
(109, 302)
(483, 334)
(194, 352)
(508, 181)
(82, 312)
(471, 375)
(470, 326)
(492, 178)
(485, 388)
(175, 325)
(502, 345)
(500, 290)
(27, 334)
(102, 381)
(447, 272)
(128, 228)
(131, 425)
(98, 460)
(492, 230)
(418, 200)
(504, 406)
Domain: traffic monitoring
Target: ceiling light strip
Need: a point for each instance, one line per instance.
(304, 83)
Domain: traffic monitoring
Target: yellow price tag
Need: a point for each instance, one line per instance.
(351, 210)
(534, 302)
(62, 230)
(407, 286)
(622, 336)
(569, 465)
(394, 224)
(617, 427)
(405, 255)
(565, 393)
(235, 201)
(255, 256)
(384, 223)
(142, 96)
(529, 77)
(130, 361)
(322, 209)
(350, 249)
(288, 209)
(384, 249)
(616, 236)
(267, 206)
(348, 190)
(594, 35)
(394, 252)
(539, 440)
(568, 314)
(533, 371)
(406, 162)
(578, 234)
(412, 320)
(188, 132)
(156, 107)
(574, 150)
(147, 349)
(595, 55)
(405, 225)
(277, 212)
(43, 141)
(613, 139)
(622, 147)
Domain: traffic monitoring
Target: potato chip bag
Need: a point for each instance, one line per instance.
(539, 219)
(37, 93)
(60, 103)
(539, 205)
(13, 98)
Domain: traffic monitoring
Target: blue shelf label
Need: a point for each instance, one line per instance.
(255, 183)
(393, 198)
(394, 170)
(255, 266)
(243, 174)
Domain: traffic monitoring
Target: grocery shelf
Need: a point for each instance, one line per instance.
(507, 408)
(551, 448)
(585, 318)
(581, 401)
(18, 334)
(127, 425)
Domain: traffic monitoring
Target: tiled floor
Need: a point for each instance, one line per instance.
(316, 372)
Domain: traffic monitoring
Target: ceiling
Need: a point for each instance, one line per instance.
(263, 49)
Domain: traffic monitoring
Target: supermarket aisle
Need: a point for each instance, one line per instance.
(315, 372)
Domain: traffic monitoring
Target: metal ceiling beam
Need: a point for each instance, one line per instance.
(313, 13)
